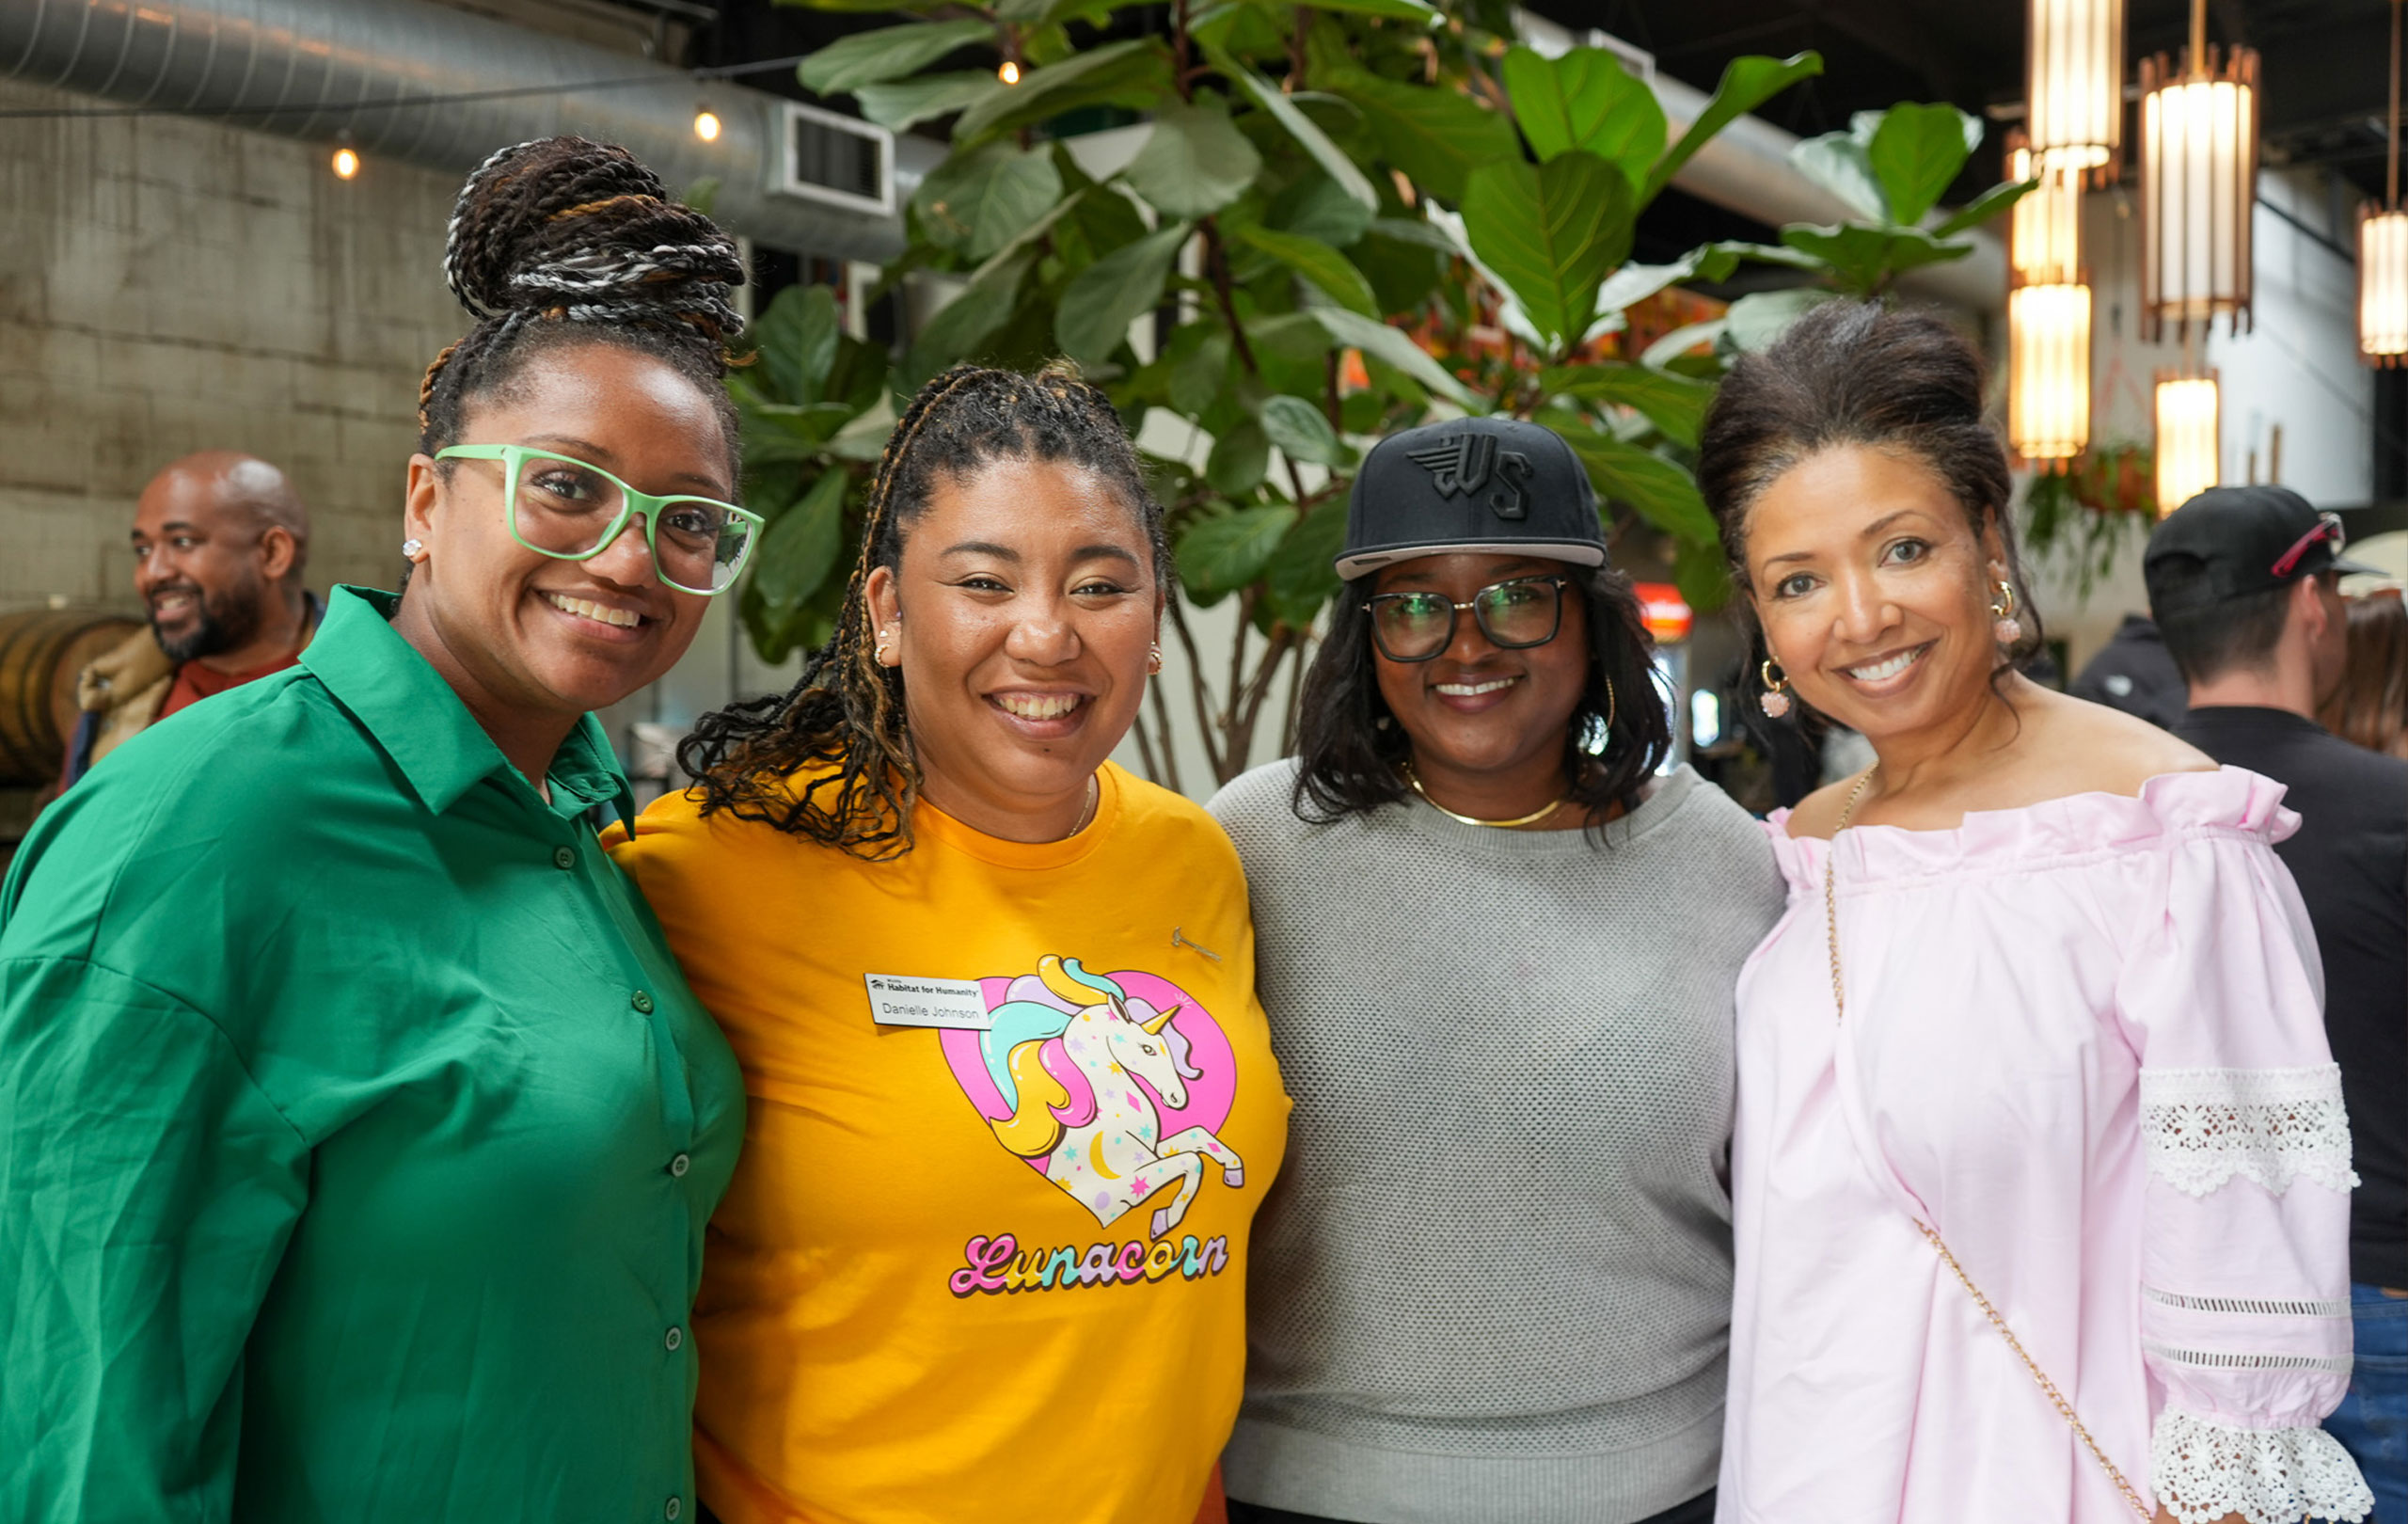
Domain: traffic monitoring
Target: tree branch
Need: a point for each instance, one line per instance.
(1200, 689)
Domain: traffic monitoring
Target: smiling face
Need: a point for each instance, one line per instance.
(527, 635)
(1475, 709)
(1022, 615)
(205, 559)
(1874, 590)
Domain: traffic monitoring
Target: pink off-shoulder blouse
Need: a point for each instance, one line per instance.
(2084, 1041)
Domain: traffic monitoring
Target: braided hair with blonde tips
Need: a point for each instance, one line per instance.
(564, 240)
(830, 759)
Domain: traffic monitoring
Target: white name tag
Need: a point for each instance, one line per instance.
(896, 1000)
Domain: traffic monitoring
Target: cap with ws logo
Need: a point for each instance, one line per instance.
(1483, 486)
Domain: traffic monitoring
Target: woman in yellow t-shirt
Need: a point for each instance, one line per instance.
(1013, 1104)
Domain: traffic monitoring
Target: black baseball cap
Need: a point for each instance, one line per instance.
(2253, 539)
(1489, 486)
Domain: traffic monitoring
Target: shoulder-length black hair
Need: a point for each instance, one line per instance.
(1349, 757)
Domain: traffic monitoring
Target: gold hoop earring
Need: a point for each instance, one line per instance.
(1775, 698)
(2005, 628)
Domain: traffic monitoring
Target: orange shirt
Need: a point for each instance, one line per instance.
(985, 1251)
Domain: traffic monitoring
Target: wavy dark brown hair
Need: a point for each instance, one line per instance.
(830, 759)
(1348, 745)
(1861, 373)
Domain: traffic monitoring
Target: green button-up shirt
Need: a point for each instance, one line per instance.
(357, 1131)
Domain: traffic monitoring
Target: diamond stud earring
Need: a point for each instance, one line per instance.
(411, 549)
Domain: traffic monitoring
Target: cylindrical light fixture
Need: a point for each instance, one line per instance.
(2074, 82)
(2198, 184)
(2190, 438)
(2383, 249)
(2047, 374)
(2044, 230)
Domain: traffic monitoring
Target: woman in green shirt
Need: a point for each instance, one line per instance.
(357, 1131)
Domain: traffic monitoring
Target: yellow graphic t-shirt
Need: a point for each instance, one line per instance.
(1013, 1108)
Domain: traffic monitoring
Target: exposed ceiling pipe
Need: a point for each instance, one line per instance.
(266, 64)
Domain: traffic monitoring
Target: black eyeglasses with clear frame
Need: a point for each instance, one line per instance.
(1514, 614)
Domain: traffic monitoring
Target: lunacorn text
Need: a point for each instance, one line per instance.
(999, 1264)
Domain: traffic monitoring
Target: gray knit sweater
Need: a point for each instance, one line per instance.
(1492, 1284)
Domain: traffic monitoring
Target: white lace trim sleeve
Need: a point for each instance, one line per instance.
(2203, 1126)
(2203, 1470)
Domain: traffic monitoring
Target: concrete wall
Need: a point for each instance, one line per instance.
(168, 285)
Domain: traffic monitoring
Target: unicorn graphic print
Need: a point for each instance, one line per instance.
(1111, 1087)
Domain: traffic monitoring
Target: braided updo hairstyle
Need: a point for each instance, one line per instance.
(562, 241)
(844, 720)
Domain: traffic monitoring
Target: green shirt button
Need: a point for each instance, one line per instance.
(675, 1507)
(679, 1166)
(676, 1337)
(642, 1002)
(564, 857)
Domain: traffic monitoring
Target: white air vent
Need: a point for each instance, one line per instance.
(822, 156)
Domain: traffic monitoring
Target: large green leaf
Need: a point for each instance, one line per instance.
(1324, 266)
(797, 341)
(1407, 10)
(972, 317)
(1239, 458)
(1310, 138)
(1550, 231)
(1317, 207)
(1659, 491)
(1916, 152)
(802, 545)
(889, 53)
(1437, 136)
(1194, 162)
(1865, 259)
(1042, 91)
(1300, 577)
(1984, 207)
(1674, 403)
(1755, 321)
(1586, 100)
(1397, 348)
(1300, 431)
(1224, 552)
(1747, 84)
(905, 102)
(979, 201)
(1199, 379)
(1838, 162)
(1104, 298)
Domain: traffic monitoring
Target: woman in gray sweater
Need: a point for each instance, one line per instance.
(1497, 950)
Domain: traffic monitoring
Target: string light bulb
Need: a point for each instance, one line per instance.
(346, 162)
(706, 124)
(1009, 72)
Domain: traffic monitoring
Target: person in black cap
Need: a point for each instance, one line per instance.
(1497, 951)
(2242, 583)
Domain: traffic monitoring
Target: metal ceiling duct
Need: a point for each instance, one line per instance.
(269, 64)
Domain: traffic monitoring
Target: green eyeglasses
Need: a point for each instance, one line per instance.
(559, 506)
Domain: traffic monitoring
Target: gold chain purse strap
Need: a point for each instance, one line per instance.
(1839, 1004)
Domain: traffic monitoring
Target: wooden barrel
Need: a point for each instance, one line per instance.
(40, 652)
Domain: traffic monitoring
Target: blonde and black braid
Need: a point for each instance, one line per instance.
(565, 241)
(832, 758)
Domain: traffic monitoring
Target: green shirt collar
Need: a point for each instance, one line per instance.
(420, 724)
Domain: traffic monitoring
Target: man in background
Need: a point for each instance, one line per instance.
(2242, 583)
(219, 543)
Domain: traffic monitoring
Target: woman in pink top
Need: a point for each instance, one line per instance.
(2071, 1025)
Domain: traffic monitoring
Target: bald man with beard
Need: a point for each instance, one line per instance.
(219, 543)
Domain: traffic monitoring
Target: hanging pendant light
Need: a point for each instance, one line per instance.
(2074, 83)
(2198, 184)
(2190, 437)
(2048, 393)
(2044, 230)
(2382, 248)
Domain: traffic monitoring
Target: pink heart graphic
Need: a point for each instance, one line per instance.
(1113, 1108)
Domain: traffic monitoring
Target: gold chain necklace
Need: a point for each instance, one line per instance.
(1839, 1008)
(1535, 815)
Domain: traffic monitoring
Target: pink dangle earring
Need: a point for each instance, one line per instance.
(1775, 698)
(2005, 628)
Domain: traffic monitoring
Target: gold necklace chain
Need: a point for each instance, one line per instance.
(1535, 815)
(1839, 1008)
